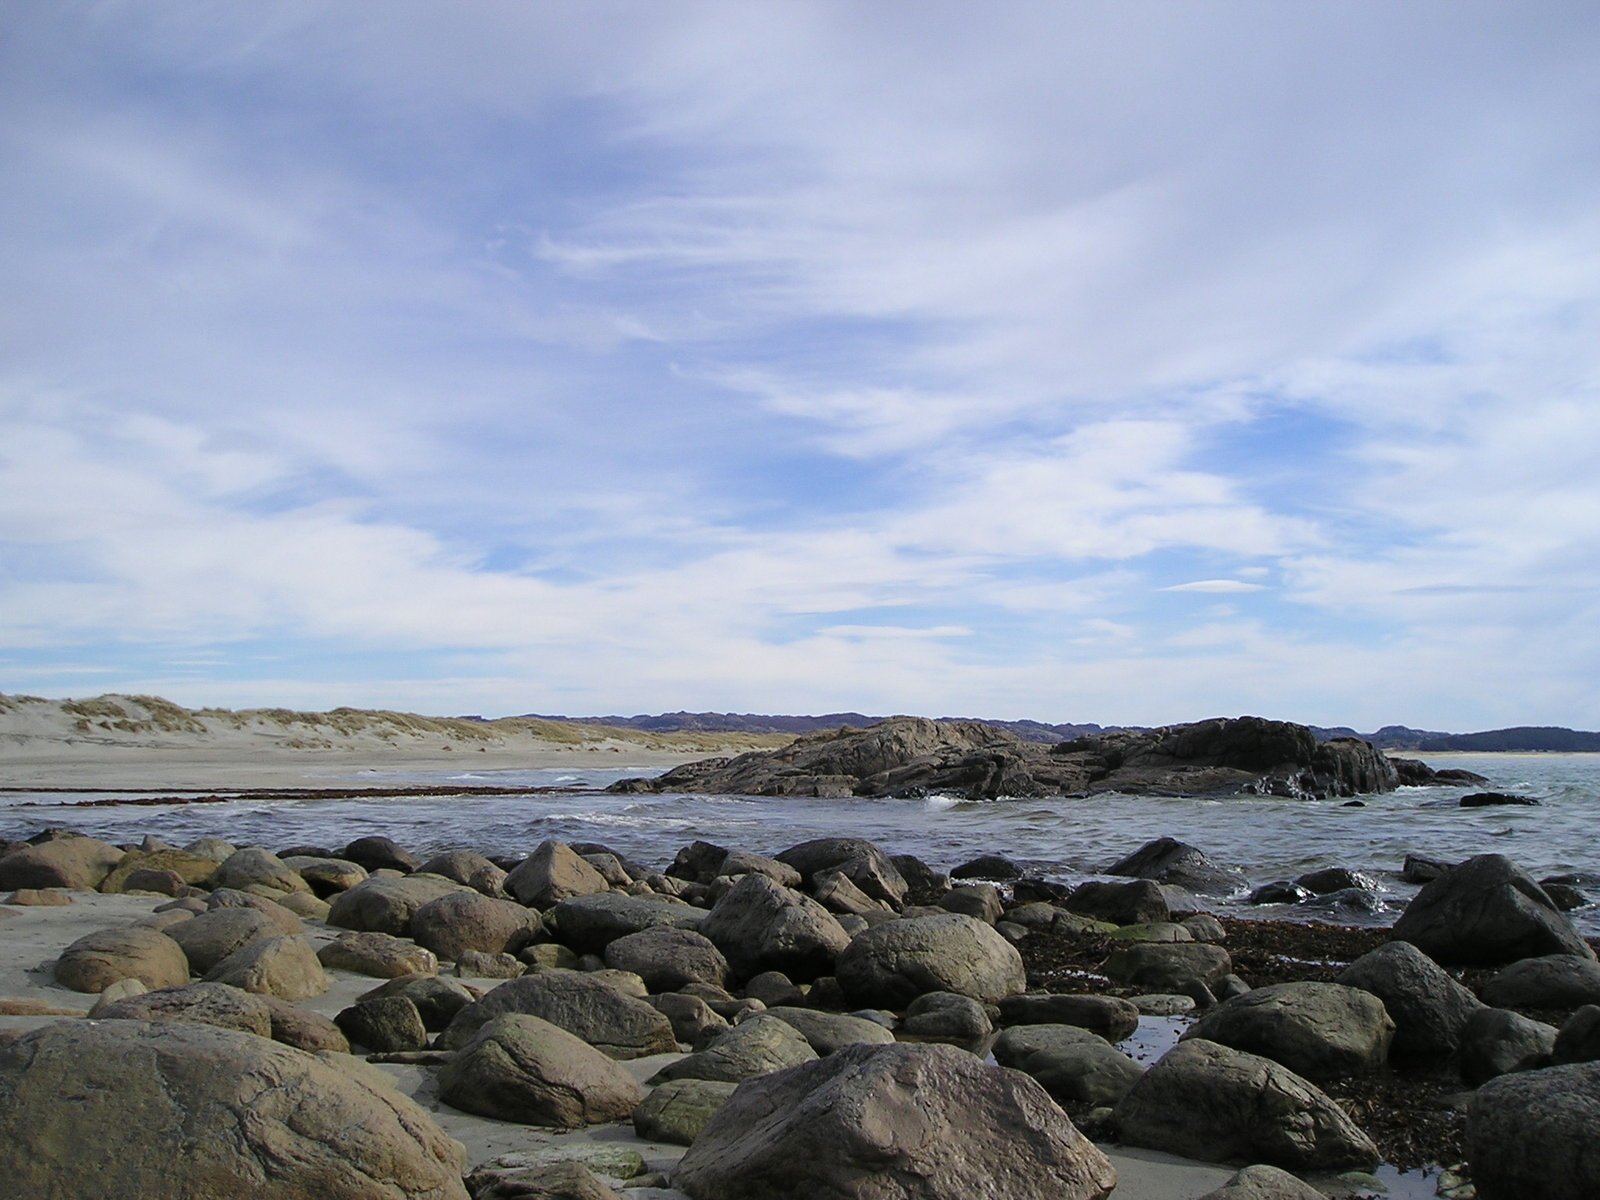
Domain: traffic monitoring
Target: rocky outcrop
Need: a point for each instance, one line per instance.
(913, 756)
(188, 1110)
(899, 1122)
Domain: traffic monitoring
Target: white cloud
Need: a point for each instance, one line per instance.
(1219, 587)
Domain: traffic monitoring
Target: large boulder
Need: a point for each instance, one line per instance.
(1486, 912)
(188, 1112)
(520, 1068)
(757, 1046)
(255, 867)
(214, 1004)
(1261, 1182)
(1207, 1101)
(903, 1122)
(377, 853)
(1579, 1037)
(192, 869)
(827, 1032)
(103, 957)
(1072, 1064)
(386, 903)
(1497, 1041)
(1168, 967)
(862, 862)
(667, 959)
(326, 876)
(760, 926)
(1178, 864)
(1111, 1017)
(552, 873)
(1553, 981)
(1429, 1009)
(1317, 1030)
(462, 921)
(68, 862)
(1138, 902)
(1534, 1135)
(892, 964)
(286, 967)
(588, 1008)
(589, 924)
(468, 867)
(438, 998)
(677, 1110)
(380, 955)
(213, 936)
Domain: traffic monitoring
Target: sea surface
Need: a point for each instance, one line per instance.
(1063, 839)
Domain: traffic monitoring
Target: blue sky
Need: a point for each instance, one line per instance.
(1126, 363)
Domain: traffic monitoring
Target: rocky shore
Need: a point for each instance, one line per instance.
(913, 756)
(835, 1020)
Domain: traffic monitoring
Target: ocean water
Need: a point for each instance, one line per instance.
(1065, 839)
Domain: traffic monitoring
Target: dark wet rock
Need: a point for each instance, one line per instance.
(618, 1025)
(760, 926)
(1553, 981)
(386, 903)
(326, 876)
(1420, 869)
(588, 924)
(1485, 912)
(1168, 967)
(920, 878)
(1110, 1017)
(1261, 1182)
(1564, 896)
(1429, 1008)
(1120, 903)
(1579, 1037)
(890, 965)
(1207, 1101)
(520, 1068)
(667, 958)
(172, 1109)
(1318, 1030)
(384, 1024)
(379, 854)
(987, 866)
(678, 1109)
(698, 862)
(1497, 1041)
(774, 988)
(1335, 879)
(1167, 860)
(756, 1046)
(1047, 891)
(105, 956)
(866, 865)
(1073, 1065)
(897, 1122)
(552, 873)
(1496, 800)
(949, 1018)
(1533, 1135)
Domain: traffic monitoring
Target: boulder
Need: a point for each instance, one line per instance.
(1552, 981)
(1497, 1041)
(1169, 861)
(1335, 879)
(589, 924)
(978, 900)
(384, 1024)
(1111, 1017)
(1429, 1009)
(213, 1004)
(618, 1025)
(1533, 1135)
(193, 870)
(379, 854)
(756, 1046)
(700, 862)
(108, 955)
(1072, 1064)
(1579, 1037)
(561, 1180)
(326, 876)
(463, 921)
(760, 926)
(677, 1110)
(892, 964)
(302, 1028)
(742, 862)
(773, 988)
(478, 965)
(213, 936)
(255, 867)
(437, 997)
(1262, 1182)
(987, 866)
(861, 861)
(379, 955)
(612, 1161)
(837, 893)
(948, 1018)
(285, 967)
(1132, 903)
(1486, 912)
(1166, 967)
(552, 873)
(386, 903)
(694, 1022)
(667, 958)
(280, 918)
(903, 1122)
(1207, 1101)
(69, 862)
(186, 1110)
(520, 1068)
(467, 867)
(1317, 1030)
(827, 1032)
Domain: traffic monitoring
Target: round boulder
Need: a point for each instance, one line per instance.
(1429, 1009)
(386, 903)
(464, 921)
(760, 926)
(1486, 912)
(1317, 1030)
(1534, 1135)
(667, 959)
(107, 955)
(618, 1025)
(892, 964)
(520, 1068)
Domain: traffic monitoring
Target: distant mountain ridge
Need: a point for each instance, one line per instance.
(1389, 737)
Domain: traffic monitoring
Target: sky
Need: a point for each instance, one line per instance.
(1131, 363)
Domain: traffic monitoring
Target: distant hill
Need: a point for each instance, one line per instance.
(710, 722)
(1520, 737)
